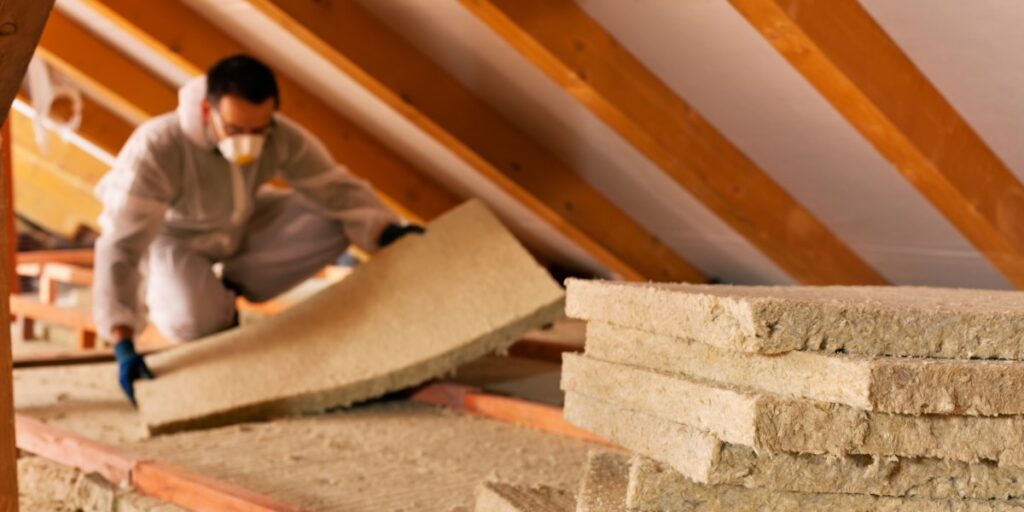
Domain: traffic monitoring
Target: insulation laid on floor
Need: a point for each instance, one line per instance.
(772, 424)
(703, 458)
(505, 497)
(46, 486)
(603, 486)
(884, 384)
(896, 321)
(654, 487)
(387, 456)
(417, 310)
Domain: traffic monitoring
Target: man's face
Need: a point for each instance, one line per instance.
(238, 116)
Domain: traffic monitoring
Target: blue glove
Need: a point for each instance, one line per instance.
(130, 366)
(394, 231)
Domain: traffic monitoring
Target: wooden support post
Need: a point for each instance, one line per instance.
(8, 453)
(12, 231)
(21, 23)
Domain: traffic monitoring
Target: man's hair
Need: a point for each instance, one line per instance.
(243, 76)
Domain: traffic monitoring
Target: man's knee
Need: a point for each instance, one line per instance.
(185, 299)
(182, 326)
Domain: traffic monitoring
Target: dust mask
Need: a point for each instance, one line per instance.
(241, 149)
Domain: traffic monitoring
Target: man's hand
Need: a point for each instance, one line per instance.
(131, 367)
(394, 231)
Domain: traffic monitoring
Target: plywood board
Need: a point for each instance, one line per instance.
(419, 309)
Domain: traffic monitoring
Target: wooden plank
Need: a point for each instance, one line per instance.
(196, 492)
(73, 450)
(81, 257)
(853, 63)
(75, 318)
(158, 25)
(427, 96)
(64, 155)
(54, 273)
(563, 41)
(157, 479)
(542, 417)
(38, 182)
(104, 72)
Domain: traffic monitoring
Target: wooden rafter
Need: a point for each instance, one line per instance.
(159, 24)
(104, 73)
(578, 54)
(426, 95)
(65, 171)
(853, 63)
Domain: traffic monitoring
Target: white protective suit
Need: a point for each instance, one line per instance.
(173, 206)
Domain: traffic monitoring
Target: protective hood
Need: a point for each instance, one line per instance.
(190, 112)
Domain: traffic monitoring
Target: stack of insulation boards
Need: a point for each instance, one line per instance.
(804, 398)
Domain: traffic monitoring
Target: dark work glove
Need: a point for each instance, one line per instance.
(130, 367)
(394, 232)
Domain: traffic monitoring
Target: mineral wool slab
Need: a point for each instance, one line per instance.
(770, 423)
(897, 385)
(702, 458)
(895, 321)
(506, 497)
(654, 487)
(419, 309)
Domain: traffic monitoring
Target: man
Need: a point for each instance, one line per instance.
(188, 191)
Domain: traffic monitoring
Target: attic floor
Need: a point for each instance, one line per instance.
(393, 455)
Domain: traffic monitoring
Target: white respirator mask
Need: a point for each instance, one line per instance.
(242, 149)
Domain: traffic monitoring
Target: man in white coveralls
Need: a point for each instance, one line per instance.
(187, 191)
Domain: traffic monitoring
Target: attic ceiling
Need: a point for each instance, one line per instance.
(709, 55)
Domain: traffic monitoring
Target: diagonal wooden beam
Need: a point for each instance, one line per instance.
(176, 32)
(853, 63)
(397, 73)
(563, 41)
(37, 183)
(65, 172)
(74, 161)
(103, 72)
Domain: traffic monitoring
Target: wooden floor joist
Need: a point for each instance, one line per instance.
(163, 481)
(560, 39)
(158, 26)
(863, 73)
(542, 417)
(392, 69)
